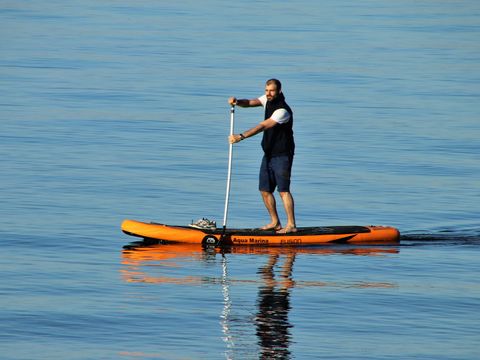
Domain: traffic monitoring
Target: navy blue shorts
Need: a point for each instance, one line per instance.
(275, 173)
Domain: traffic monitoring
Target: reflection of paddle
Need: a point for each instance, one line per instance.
(229, 176)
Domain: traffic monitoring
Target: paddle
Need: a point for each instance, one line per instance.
(229, 176)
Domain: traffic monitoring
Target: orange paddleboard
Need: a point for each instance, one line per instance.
(305, 236)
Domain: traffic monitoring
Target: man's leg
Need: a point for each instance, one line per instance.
(270, 204)
(289, 206)
(282, 166)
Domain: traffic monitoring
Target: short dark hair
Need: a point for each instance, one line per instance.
(276, 82)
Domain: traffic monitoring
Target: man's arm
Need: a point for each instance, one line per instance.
(264, 125)
(244, 102)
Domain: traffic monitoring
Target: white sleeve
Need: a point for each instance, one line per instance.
(281, 116)
(263, 100)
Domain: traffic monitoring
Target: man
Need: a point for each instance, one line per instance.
(278, 147)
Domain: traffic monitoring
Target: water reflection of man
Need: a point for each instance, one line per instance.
(273, 307)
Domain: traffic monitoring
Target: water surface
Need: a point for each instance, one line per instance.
(118, 109)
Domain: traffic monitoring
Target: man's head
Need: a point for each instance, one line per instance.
(273, 87)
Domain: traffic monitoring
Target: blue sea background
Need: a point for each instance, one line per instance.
(118, 109)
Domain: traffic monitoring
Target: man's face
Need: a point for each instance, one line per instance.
(271, 91)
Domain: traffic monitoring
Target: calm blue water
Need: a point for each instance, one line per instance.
(118, 109)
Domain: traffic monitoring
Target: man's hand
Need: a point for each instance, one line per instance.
(232, 139)
(232, 100)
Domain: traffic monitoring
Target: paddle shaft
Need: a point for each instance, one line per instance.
(229, 174)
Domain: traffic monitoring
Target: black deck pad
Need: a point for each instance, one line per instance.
(311, 230)
(324, 230)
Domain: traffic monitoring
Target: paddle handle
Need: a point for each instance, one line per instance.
(229, 173)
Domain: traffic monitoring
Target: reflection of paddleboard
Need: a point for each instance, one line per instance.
(138, 256)
(303, 237)
(140, 252)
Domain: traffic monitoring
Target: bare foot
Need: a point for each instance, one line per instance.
(275, 227)
(287, 230)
